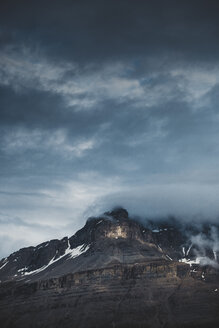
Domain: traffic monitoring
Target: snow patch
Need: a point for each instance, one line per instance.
(22, 269)
(159, 230)
(201, 260)
(42, 246)
(160, 248)
(187, 253)
(190, 262)
(3, 265)
(75, 252)
(183, 250)
(72, 253)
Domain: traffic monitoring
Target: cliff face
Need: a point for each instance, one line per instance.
(111, 273)
(144, 295)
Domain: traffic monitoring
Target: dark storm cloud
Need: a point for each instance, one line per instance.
(106, 103)
(101, 30)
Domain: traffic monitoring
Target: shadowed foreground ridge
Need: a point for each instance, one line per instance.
(115, 272)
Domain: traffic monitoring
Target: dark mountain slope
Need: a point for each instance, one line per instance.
(114, 272)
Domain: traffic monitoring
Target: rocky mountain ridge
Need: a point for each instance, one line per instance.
(115, 272)
(168, 239)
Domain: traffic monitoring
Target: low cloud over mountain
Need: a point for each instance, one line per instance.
(106, 103)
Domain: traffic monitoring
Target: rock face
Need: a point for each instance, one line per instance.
(114, 272)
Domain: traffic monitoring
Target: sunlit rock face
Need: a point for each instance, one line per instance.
(117, 232)
(121, 229)
(117, 224)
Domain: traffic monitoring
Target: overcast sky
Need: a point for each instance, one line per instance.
(106, 103)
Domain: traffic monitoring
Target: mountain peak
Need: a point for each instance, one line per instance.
(118, 213)
(113, 259)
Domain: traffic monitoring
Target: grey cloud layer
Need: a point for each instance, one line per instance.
(108, 29)
(106, 103)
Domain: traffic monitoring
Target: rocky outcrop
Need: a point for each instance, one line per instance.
(147, 295)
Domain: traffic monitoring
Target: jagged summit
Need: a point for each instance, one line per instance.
(118, 213)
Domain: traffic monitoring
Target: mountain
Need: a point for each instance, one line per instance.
(115, 272)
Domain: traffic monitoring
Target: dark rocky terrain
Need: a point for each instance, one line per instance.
(115, 272)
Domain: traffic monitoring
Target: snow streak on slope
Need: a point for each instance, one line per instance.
(71, 253)
(3, 265)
